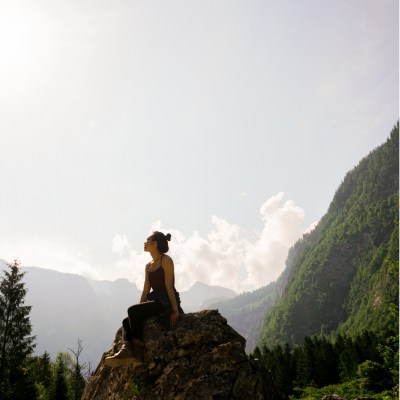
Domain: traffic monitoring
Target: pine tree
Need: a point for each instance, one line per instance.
(16, 342)
(61, 389)
(326, 367)
(40, 370)
(306, 364)
(45, 369)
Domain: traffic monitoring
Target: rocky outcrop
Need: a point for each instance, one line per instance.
(200, 358)
(333, 397)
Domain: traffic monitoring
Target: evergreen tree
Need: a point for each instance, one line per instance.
(326, 369)
(61, 389)
(40, 368)
(285, 368)
(40, 372)
(45, 369)
(16, 342)
(306, 364)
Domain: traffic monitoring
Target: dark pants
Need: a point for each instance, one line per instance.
(133, 325)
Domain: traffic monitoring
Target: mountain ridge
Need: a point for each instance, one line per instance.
(67, 307)
(352, 260)
(249, 313)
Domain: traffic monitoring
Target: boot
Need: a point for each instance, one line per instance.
(123, 357)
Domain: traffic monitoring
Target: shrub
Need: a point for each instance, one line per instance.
(373, 376)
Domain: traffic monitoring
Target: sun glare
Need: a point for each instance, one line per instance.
(14, 37)
(24, 40)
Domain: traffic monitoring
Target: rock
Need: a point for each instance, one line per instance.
(202, 357)
(333, 397)
(364, 398)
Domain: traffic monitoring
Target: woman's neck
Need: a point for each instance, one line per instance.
(156, 256)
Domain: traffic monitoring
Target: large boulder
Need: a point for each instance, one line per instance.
(202, 357)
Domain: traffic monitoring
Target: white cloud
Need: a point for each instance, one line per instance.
(225, 256)
(54, 253)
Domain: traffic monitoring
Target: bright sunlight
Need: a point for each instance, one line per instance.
(24, 45)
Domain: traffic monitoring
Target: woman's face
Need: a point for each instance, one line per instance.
(150, 244)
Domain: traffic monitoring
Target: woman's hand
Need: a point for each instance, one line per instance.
(173, 319)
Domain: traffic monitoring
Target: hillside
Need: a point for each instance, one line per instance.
(346, 278)
(330, 269)
(246, 312)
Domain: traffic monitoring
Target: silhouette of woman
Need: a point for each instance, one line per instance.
(162, 299)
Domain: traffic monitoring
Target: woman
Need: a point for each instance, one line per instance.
(163, 299)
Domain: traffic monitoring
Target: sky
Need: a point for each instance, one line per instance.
(229, 124)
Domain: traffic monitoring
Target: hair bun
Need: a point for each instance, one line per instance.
(168, 236)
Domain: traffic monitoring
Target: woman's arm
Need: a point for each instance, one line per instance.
(146, 286)
(168, 266)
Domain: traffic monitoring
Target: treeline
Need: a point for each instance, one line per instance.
(367, 362)
(24, 376)
(43, 379)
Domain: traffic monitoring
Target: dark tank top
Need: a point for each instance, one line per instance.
(157, 279)
(159, 290)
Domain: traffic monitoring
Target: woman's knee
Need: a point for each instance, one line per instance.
(136, 310)
(133, 308)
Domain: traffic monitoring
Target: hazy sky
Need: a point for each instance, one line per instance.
(229, 124)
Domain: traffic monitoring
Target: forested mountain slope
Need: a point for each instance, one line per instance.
(346, 277)
(246, 312)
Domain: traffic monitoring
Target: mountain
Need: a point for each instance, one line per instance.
(340, 277)
(67, 307)
(246, 312)
(346, 278)
(343, 275)
(200, 296)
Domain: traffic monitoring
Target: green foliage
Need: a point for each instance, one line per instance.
(77, 380)
(389, 351)
(61, 390)
(345, 279)
(55, 380)
(16, 344)
(373, 376)
(22, 375)
(349, 390)
(245, 312)
(135, 388)
(322, 362)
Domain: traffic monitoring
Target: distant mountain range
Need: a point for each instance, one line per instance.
(67, 307)
(343, 277)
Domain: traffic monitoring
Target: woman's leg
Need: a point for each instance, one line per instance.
(126, 330)
(139, 312)
(125, 356)
(133, 328)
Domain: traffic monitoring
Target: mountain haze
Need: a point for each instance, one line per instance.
(246, 312)
(343, 275)
(67, 307)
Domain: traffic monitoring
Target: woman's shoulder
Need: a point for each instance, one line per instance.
(166, 258)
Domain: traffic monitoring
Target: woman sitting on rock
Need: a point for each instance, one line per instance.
(163, 299)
